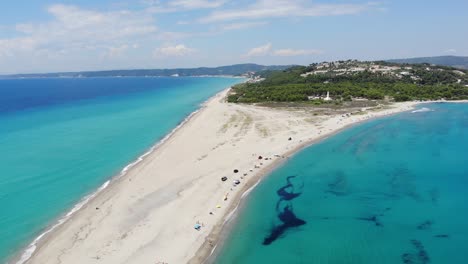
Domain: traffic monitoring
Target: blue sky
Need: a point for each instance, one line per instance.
(50, 36)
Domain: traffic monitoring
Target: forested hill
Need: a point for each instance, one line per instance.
(232, 70)
(354, 80)
(452, 61)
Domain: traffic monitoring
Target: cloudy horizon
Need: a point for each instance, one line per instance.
(84, 36)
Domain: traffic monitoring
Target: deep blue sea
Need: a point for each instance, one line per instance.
(393, 190)
(61, 139)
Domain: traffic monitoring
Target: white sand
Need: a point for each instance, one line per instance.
(148, 216)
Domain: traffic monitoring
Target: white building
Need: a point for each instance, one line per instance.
(328, 98)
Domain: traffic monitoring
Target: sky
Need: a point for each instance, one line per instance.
(58, 36)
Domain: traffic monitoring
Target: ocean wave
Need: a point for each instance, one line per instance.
(31, 248)
(424, 109)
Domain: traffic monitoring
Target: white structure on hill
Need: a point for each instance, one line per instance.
(328, 98)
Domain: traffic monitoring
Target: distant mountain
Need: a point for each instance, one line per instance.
(452, 61)
(232, 70)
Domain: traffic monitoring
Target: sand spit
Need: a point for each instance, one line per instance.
(149, 215)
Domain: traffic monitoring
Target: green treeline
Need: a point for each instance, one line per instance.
(420, 83)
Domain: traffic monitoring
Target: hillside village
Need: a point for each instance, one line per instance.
(351, 80)
(398, 71)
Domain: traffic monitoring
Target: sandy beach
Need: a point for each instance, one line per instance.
(149, 214)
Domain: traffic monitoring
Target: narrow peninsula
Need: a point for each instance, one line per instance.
(172, 206)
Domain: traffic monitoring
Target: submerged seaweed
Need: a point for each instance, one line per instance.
(283, 191)
(420, 255)
(285, 211)
(402, 183)
(339, 186)
(374, 219)
(289, 220)
(425, 225)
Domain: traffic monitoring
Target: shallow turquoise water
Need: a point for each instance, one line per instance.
(60, 139)
(393, 190)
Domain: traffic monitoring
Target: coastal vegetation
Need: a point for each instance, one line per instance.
(354, 80)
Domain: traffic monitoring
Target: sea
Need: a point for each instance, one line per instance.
(392, 190)
(62, 139)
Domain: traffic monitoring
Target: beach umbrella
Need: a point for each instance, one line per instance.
(236, 171)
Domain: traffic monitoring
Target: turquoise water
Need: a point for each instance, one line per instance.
(393, 190)
(60, 139)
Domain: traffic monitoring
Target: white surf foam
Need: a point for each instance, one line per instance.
(424, 109)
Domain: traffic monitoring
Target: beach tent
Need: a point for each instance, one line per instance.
(197, 226)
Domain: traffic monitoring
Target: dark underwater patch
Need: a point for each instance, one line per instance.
(285, 194)
(401, 182)
(425, 225)
(374, 219)
(339, 186)
(417, 256)
(289, 220)
(285, 211)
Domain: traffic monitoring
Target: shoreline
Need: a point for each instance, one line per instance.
(28, 251)
(205, 249)
(221, 231)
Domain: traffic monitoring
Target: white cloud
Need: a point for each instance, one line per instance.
(259, 51)
(9, 47)
(450, 51)
(196, 4)
(182, 5)
(114, 52)
(242, 25)
(73, 29)
(267, 50)
(173, 51)
(171, 36)
(295, 52)
(285, 8)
